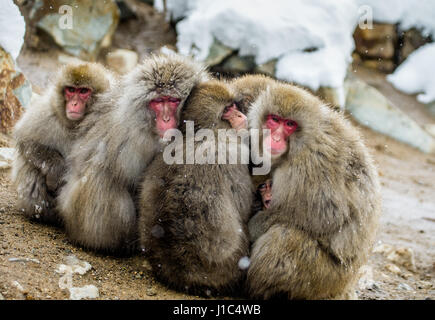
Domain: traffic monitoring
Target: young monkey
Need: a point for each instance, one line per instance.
(318, 228)
(193, 217)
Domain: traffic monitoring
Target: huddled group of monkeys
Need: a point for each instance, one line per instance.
(89, 157)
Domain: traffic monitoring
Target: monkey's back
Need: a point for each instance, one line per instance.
(196, 232)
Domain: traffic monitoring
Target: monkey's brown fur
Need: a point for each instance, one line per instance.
(325, 204)
(249, 87)
(44, 138)
(97, 203)
(193, 217)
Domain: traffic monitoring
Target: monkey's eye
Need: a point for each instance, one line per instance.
(174, 100)
(291, 123)
(84, 90)
(70, 89)
(158, 100)
(262, 186)
(275, 118)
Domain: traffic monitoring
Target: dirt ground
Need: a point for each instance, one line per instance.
(30, 252)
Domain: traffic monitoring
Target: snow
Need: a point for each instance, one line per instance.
(416, 74)
(311, 41)
(282, 30)
(12, 28)
(408, 13)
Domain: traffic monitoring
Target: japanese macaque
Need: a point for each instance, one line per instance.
(45, 135)
(97, 203)
(249, 87)
(193, 217)
(320, 224)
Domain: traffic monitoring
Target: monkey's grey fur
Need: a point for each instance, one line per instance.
(44, 138)
(98, 201)
(193, 217)
(321, 224)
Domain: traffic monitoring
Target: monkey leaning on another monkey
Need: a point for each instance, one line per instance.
(97, 203)
(193, 217)
(45, 135)
(320, 225)
(249, 87)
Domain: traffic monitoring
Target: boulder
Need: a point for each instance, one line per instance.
(6, 157)
(372, 109)
(237, 64)
(15, 92)
(218, 52)
(93, 22)
(377, 42)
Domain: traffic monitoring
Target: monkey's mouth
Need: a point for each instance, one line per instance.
(267, 203)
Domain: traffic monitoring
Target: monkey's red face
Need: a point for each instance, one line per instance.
(165, 109)
(76, 99)
(266, 193)
(237, 119)
(280, 131)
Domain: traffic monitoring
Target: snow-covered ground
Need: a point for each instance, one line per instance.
(12, 28)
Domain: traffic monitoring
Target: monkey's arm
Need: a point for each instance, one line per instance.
(46, 159)
(286, 259)
(259, 224)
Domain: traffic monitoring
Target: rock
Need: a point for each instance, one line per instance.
(6, 157)
(409, 41)
(151, 292)
(383, 248)
(431, 107)
(267, 68)
(17, 285)
(424, 285)
(74, 265)
(122, 60)
(15, 92)
(85, 292)
(379, 32)
(217, 53)
(403, 257)
(377, 42)
(382, 65)
(370, 108)
(404, 286)
(393, 268)
(236, 64)
(24, 260)
(92, 22)
(366, 281)
(430, 128)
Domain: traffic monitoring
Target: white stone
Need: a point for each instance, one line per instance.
(372, 109)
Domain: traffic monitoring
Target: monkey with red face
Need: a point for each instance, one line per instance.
(193, 218)
(45, 135)
(318, 228)
(97, 203)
